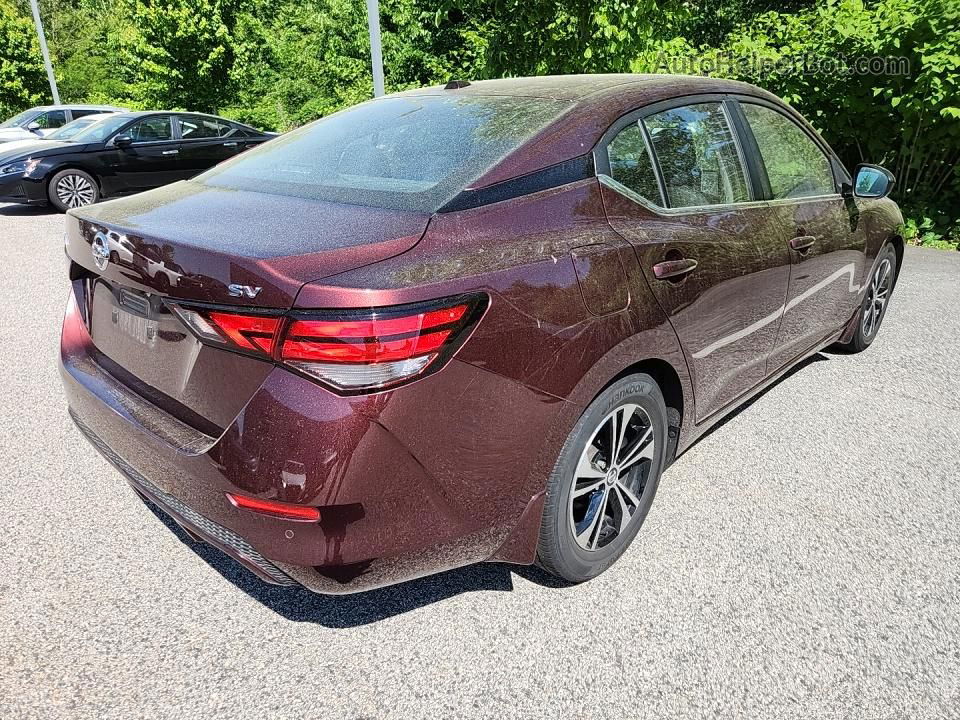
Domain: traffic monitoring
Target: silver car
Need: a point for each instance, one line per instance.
(40, 121)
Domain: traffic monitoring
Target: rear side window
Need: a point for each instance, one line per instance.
(81, 113)
(796, 166)
(698, 156)
(407, 153)
(630, 164)
(198, 128)
(151, 129)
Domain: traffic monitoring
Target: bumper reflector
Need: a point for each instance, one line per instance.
(287, 511)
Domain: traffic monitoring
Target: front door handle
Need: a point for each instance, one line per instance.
(802, 242)
(171, 152)
(673, 268)
(229, 144)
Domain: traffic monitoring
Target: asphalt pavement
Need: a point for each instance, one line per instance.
(801, 561)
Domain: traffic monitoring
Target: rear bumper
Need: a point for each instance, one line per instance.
(406, 485)
(190, 520)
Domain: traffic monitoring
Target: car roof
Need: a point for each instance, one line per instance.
(77, 106)
(590, 104)
(96, 116)
(145, 113)
(585, 87)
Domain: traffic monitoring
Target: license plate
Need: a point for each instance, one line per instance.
(139, 328)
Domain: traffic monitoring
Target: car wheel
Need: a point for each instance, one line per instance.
(72, 189)
(875, 301)
(114, 257)
(603, 483)
(162, 282)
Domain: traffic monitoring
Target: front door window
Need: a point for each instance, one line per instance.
(796, 167)
(51, 119)
(151, 129)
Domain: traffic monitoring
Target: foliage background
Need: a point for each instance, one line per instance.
(280, 64)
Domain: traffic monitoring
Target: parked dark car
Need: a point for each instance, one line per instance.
(466, 324)
(124, 153)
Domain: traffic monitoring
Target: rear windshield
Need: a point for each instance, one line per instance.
(405, 153)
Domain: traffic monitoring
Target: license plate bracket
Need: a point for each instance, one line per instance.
(141, 329)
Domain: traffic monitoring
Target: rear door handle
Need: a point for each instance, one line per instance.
(229, 144)
(802, 242)
(673, 268)
(171, 152)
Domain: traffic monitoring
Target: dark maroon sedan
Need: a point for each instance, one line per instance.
(464, 324)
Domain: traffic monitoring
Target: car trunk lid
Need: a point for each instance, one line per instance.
(192, 244)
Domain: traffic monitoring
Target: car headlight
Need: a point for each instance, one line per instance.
(21, 167)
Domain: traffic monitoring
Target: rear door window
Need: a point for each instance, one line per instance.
(698, 156)
(201, 128)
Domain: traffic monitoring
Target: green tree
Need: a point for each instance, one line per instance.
(177, 53)
(561, 36)
(23, 81)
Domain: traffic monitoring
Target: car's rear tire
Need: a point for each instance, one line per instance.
(577, 542)
(876, 300)
(72, 188)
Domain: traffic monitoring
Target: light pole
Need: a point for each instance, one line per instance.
(46, 55)
(376, 55)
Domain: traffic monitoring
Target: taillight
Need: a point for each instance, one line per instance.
(351, 351)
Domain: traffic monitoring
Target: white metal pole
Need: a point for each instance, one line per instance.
(376, 55)
(46, 54)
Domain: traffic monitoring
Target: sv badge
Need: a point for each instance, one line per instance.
(247, 291)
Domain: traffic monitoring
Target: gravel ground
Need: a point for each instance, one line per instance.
(803, 560)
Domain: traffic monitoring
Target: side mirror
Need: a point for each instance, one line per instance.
(873, 181)
(33, 127)
(123, 141)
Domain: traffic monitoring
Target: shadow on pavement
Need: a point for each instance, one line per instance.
(15, 210)
(344, 611)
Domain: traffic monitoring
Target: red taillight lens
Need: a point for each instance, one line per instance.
(380, 348)
(288, 511)
(256, 334)
(349, 350)
(250, 332)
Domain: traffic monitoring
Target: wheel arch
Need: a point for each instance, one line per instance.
(520, 546)
(671, 386)
(71, 165)
(899, 246)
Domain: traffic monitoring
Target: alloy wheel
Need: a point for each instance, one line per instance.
(610, 477)
(877, 294)
(75, 191)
